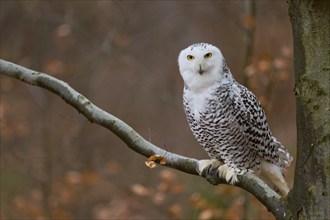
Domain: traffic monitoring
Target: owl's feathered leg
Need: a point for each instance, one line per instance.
(274, 173)
(223, 170)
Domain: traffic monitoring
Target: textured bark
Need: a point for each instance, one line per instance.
(310, 20)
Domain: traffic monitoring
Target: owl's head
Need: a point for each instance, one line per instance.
(202, 66)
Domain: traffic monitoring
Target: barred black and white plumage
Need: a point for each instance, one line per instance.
(227, 119)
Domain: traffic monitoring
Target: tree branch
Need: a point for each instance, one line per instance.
(94, 114)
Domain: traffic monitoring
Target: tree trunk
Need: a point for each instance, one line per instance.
(310, 20)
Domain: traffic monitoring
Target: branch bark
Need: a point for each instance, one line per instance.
(136, 142)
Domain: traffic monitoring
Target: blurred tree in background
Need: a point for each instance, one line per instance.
(122, 55)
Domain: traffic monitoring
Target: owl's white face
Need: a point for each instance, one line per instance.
(201, 66)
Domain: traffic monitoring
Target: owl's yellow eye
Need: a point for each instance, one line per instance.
(208, 55)
(190, 57)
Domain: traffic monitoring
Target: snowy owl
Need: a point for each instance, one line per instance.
(228, 120)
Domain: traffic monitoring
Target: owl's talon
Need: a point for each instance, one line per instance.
(211, 168)
(207, 165)
(228, 173)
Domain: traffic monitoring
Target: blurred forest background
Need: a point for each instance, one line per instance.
(122, 55)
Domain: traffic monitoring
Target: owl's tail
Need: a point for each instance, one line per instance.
(275, 171)
(274, 174)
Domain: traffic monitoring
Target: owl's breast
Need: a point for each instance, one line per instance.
(207, 116)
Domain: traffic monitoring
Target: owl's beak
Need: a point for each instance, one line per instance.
(200, 71)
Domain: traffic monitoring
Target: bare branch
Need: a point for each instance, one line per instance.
(94, 114)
